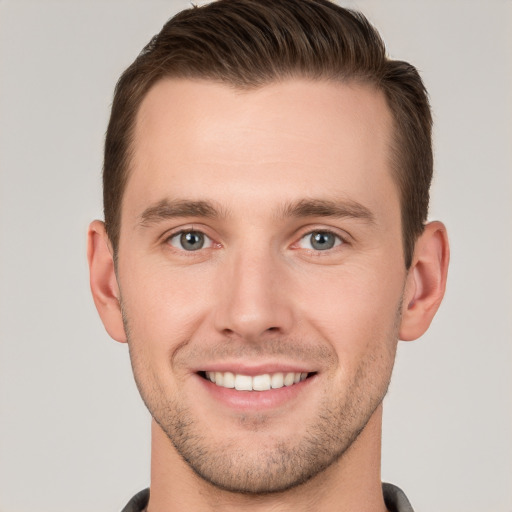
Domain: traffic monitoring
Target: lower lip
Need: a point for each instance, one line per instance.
(256, 400)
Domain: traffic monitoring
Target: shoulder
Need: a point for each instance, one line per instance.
(138, 503)
(395, 499)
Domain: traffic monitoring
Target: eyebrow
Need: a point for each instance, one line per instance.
(327, 208)
(167, 209)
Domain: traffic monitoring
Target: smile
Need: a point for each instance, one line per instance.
(262, 382)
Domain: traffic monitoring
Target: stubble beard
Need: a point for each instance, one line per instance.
(281, 462)
(277, 466)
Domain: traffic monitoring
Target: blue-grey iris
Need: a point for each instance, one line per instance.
(322, 240)
(192, 240)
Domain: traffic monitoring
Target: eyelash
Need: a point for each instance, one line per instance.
(182, 232)
(339, 241)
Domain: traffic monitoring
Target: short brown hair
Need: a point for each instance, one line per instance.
(250, 43)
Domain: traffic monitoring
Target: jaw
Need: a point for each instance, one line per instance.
(350, 481)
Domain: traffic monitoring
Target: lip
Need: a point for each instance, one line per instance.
(252, 370)
(255, 401)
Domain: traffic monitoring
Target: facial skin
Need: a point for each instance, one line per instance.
(287, 199)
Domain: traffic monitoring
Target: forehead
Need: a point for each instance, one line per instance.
(283, 139)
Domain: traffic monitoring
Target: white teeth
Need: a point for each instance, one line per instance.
(262, 382)
(277, 380)
(229, 380)
(242, 383)
(288, 379)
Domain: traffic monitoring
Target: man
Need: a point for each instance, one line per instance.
(265, 245)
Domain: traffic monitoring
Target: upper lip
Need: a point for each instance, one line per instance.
(255, 369)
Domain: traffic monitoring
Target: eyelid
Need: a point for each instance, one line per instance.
(192, 228)
(337, 242)
(208, 241)
(343, 237)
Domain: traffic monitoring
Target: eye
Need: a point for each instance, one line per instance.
(320, 241)
(190, 240)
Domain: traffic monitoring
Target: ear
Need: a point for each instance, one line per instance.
(426, 281)
(103, 281)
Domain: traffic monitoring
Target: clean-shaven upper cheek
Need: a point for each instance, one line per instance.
(172, 305)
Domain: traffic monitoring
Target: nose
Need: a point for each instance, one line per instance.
(253, 297)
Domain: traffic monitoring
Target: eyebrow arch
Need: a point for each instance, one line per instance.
(327, 208)
(166, 209)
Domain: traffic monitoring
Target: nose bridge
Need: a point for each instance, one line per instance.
(253, 297)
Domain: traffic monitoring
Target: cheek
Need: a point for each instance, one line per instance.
(354, 309)
(163, 306)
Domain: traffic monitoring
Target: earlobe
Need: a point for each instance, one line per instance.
(426, 281)
(103, 281)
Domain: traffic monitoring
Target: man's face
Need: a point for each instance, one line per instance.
(261, 245)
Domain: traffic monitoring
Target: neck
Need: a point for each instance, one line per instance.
(351, 483)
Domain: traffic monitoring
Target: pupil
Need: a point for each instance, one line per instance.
(322, 241)
(192, 241)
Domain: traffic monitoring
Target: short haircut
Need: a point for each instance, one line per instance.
(250, 43)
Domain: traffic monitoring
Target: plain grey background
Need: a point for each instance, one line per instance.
(74, 434)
